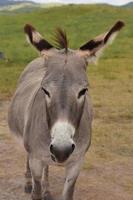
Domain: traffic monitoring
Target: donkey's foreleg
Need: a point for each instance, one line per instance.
(72, 172)
(36, 167)
(45, 184)
(28, 177)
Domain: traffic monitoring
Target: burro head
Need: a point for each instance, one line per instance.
(65, 87)
(65, 84)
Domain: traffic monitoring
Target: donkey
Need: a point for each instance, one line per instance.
(51, 109)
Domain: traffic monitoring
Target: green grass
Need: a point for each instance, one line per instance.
(81, 23)
(111, 81)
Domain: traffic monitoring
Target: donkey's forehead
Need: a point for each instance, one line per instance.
(65, 68)
(70, 61)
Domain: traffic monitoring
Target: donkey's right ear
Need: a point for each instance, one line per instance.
(36, 39)
(93, 48)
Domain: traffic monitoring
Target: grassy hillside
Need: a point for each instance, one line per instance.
(19, 7)
(81, 22)
(27, 6)
(128, 5)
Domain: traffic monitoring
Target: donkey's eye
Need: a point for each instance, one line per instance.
(82, 92)
(46, 92)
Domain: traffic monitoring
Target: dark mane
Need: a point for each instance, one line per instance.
(60, 39)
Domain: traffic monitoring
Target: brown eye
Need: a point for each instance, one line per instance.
(82, 92)
(46, 92)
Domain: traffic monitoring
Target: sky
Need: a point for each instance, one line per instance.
(114, 2)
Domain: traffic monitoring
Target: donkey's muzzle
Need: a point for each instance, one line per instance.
(61, 154)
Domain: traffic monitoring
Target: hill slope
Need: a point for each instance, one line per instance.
(7, 2)
(11, 2)
(10, 5)
(24, 6)
(128, 5)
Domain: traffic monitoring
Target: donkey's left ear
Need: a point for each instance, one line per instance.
(35, 38)
(92, 49)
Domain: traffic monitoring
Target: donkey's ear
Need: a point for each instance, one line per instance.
(92, 49)
(36, 39)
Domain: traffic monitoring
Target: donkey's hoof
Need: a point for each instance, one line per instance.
(33, 198)
(36, 199)
(36, 196)
(47, 196)
(28, 189)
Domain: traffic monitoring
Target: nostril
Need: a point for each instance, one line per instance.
(51, 148)
(73, 147)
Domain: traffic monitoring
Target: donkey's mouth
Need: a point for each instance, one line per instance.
(57, 160)
(53, 158)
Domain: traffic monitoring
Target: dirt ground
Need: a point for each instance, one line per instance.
(95, 183)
